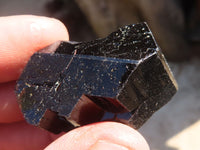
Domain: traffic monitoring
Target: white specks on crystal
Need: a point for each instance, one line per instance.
(27, 84)
(57, 84)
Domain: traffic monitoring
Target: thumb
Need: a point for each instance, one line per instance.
(101, 136)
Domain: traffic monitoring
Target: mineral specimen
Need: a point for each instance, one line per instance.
(123, 77)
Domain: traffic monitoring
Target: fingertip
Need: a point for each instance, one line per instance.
(44, 31)
(23, 35)
(101, 135)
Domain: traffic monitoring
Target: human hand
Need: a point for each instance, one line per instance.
(20, 37)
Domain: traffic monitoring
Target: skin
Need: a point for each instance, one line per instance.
(20, 37)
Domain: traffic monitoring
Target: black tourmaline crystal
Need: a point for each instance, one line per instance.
(123, 77)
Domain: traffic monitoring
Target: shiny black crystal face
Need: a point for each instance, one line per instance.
(123, 77)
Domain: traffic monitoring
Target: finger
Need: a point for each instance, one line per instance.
(9, 108)
(21, 136)
(101, 136)
(21, 36)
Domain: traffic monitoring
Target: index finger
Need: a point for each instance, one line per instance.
(20, 37)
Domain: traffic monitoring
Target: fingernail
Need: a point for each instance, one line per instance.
(42, 27)
(105, 145)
